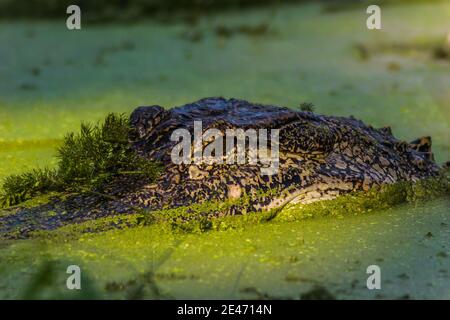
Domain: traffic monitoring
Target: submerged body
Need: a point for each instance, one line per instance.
(320, 157)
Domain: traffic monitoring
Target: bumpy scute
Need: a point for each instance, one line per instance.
(321, 157)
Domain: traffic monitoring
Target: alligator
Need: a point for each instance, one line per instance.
(320, 157)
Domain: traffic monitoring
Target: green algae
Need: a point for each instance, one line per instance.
(278, 259)
(76, 231)
(37, 201)
(8, 146)
(210, 215)
(215, 215)
(125, 252)
(377, 198)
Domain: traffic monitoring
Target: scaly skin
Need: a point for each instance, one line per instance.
(321, 156)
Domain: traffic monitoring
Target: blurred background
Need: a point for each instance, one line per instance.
(141, 52)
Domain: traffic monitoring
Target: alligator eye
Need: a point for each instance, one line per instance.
(144, 119)
(307, 137)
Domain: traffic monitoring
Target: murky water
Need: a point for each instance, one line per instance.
(69, 77)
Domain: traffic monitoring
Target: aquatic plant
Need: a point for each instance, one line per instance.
(307, 106)
(87, 161)
(18, 188)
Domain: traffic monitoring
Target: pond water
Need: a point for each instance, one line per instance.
(52, 79)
